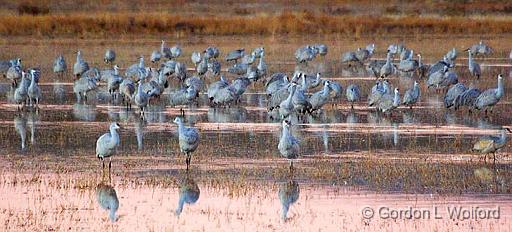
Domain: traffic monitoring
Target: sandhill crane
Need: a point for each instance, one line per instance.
(59, 65)
(235, 55)
(135, 69)
(240, 85)
(180, 71)
(300, 99)
(363, 54)
(439, 65)
(195, 58)
(141, 98)
(288, 145)
(225, 96)
(202, 67)
(389, 102)
(275, 82)
(211, 52)
(80, 65)
(337, 90)
(14, 74)
(353, 94)
(452, 94)
(480, 48)
(349, 57)
(321, 49)
(165, 51)
(320, 98)
(435, 79)
(127, 89)
(155, 56)
(257, 52)
(214, 67)
(408, 65)
(491, 144)
(467, 98)
(33, 91)
(6, 64)
(412, 95)
(452, 55)
(490, 97)
(388, 68)
(305, 54)
(215, 86)
(110, 56)
(474, 67)
(175, 52)
(286, 107)
(183, 96)
(188, 139)
(248, 58)
(113, 82)
(262, 66)
(378, 90)
(107, 144)
(422, 68)
(374, 67)
(84, 85)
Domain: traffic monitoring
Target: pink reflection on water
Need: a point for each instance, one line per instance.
(43, 206)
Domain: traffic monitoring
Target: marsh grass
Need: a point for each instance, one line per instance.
(112, 25)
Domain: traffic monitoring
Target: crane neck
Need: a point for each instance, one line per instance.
(500, 91)
(32, 81)
(503, 136)
(141, 63)
(325, 91)
(396, 99)
(114, 135)
(388, 59)
(290, 95)
(286, 132)
(139, 88)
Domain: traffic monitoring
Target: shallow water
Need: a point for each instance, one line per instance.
(351, 159)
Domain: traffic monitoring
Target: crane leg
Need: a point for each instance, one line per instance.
(187, 160)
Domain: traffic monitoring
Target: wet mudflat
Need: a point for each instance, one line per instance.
(350, 159)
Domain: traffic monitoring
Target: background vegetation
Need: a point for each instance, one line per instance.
(101, 18)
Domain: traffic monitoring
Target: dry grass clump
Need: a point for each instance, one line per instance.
(32, 9)
(287, 22)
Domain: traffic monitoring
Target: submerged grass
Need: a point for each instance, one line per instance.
(369, 173)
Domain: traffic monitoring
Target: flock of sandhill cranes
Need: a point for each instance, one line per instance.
(287, 97)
